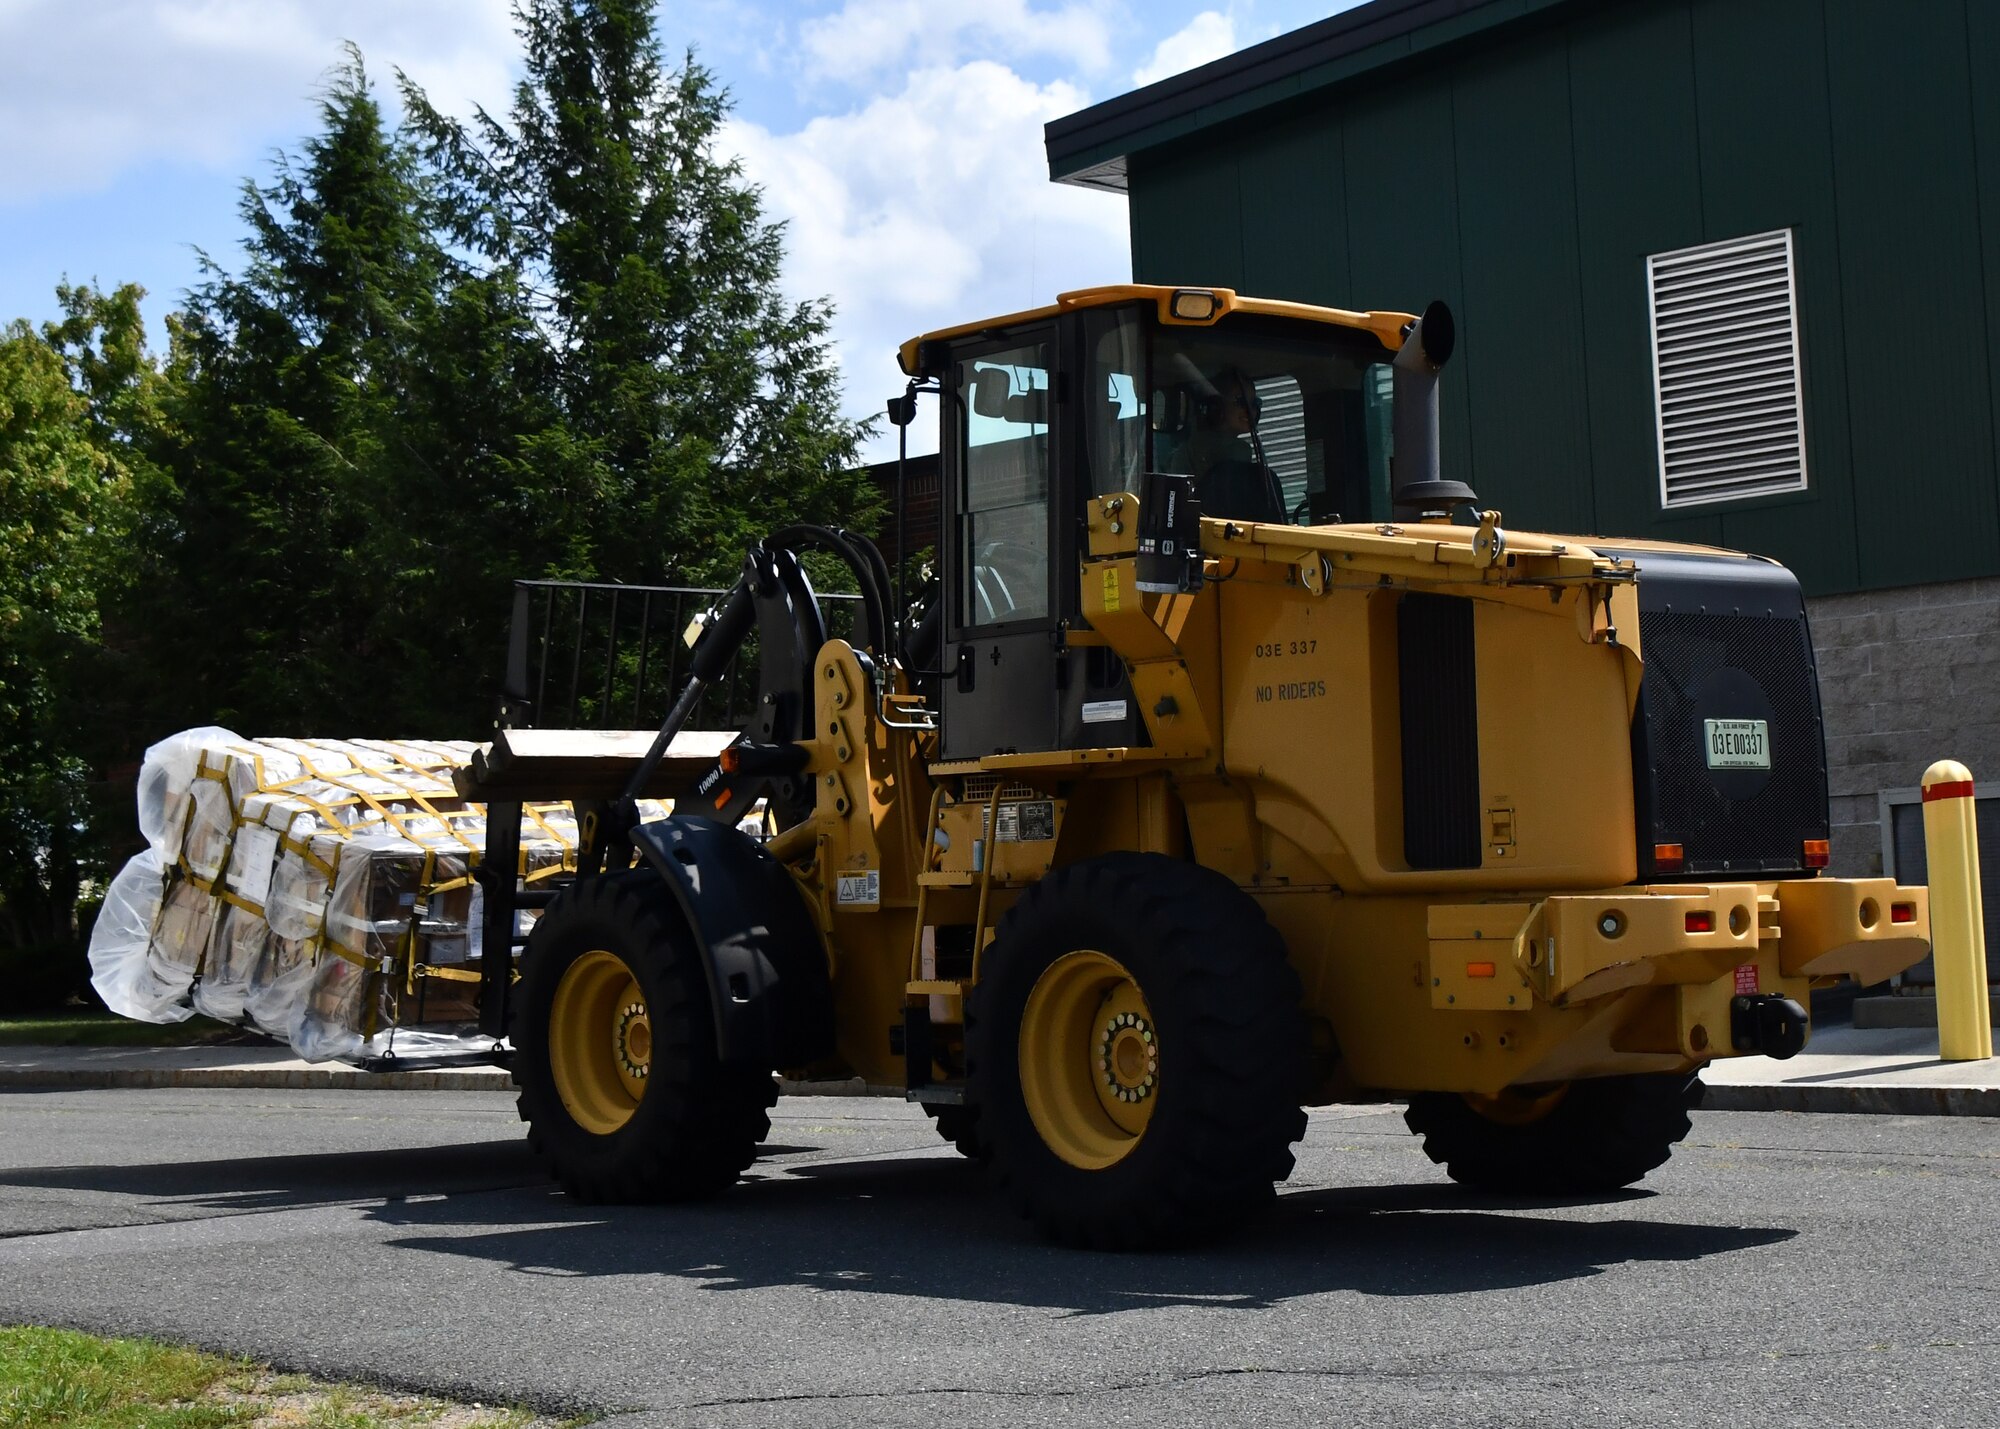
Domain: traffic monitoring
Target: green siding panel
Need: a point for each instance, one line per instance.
(1919, 394)
(1638, 183)
(1766, 162)
(1522, 320)
(1294, 213)
(1526, 182)
(1187, 216)
(1402, 231)
(1982, 34)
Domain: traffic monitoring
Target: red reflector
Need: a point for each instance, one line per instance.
(1902, 912)
(1479, 970)
(1701, 922)
(1816, 853)
(1667, 858)
(724, 797)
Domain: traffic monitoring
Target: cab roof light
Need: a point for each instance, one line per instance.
(1667, 858)
(1193, 305)
(1817, 852)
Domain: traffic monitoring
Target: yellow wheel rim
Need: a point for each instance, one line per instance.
(600, 1042)
(1090, 1059)
(1512, 1107)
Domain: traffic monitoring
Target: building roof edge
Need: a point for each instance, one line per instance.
(1090, 147)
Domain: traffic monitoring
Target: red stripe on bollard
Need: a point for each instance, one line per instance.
(1957, 789)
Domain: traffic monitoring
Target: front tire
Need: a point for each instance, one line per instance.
(1581, 1138)
(614, 1051)
(958, 1125)
(1137, 1053)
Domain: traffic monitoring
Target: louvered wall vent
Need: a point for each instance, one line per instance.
(1726, 370)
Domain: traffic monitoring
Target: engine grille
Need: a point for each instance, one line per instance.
(1702, 666)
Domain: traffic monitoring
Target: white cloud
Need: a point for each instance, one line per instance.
(867, 39)
(1208, 36)
(929, 207)
(89, 91)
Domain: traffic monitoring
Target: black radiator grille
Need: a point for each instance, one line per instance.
(1700, 667)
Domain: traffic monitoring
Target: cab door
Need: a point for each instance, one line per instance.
(1001, 467)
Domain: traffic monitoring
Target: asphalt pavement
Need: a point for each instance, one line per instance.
(1844, 1068)
(1782, 1269)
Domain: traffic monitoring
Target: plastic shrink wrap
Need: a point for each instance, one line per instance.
(319, 890)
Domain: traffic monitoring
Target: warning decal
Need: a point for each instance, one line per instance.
(861, 889)
(1746, 979)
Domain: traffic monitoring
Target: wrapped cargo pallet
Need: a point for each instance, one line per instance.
(321, 891)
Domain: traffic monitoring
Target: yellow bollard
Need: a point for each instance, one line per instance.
(1958, 934)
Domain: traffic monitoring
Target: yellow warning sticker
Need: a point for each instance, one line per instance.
(1110, 590)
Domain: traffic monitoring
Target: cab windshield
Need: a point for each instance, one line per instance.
(1275, 419)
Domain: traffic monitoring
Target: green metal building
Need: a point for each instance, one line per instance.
(1726, 271)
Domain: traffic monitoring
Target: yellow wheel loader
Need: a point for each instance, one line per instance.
(1180, 801)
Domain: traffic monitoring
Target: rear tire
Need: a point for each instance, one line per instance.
(1587, 1137)
(614, 1051)
(1137, 1053)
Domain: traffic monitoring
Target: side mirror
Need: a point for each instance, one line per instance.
(903, 409)
(991, 387)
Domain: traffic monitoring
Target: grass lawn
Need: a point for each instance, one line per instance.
(57, 1379)
(88, 1027)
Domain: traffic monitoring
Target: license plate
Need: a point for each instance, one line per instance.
(1737, 743)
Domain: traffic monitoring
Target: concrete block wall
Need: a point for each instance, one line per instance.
(1907, 677)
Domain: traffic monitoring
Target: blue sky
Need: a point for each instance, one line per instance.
(899, 139)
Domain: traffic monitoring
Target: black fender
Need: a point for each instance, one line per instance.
(761, 949)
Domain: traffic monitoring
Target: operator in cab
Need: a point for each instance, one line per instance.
(1222, 453)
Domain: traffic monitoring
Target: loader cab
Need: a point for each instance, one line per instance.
(1277, 417)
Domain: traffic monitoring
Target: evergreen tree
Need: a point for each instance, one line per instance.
(693, 401)
(340, 401)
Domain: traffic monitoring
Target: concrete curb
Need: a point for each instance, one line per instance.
(1875, 1100)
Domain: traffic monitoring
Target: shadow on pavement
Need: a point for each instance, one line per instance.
(929, 1227)
(320, 1178)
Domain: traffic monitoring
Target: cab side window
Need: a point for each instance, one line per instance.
(1003, 535)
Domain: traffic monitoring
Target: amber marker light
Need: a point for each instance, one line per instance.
(1902, 912)
(1817, 853)
(1667, 858)
(1479, 969)
(731, 761)
(1701, 921)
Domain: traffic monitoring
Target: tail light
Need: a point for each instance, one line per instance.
(1667, 858)
(1817, 853)
(1701, 921)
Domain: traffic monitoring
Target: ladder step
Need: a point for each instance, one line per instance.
(947, 880)
(935, 987)
(938, 1094)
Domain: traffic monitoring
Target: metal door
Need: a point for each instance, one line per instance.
(1002, 470)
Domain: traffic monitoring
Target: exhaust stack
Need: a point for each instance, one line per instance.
(1420, 490)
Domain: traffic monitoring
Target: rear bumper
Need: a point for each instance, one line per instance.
(1704, 944)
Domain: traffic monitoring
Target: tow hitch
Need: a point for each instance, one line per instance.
(1769, 1024)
